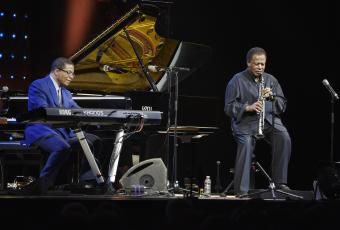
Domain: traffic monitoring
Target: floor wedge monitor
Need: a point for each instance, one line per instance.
(152, 174)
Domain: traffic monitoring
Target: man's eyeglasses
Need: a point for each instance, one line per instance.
(69, 72)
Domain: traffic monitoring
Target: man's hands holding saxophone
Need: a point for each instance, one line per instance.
(257, 106)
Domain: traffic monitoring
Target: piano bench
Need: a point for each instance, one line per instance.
(15, 153)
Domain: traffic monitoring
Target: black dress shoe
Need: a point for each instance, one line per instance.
(87, 184)
(283, 187)
(88, 187)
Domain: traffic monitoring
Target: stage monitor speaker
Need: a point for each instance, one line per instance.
(150, 173)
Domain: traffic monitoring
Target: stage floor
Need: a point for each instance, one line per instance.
(165, 211)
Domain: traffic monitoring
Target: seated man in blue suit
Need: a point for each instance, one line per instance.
(51, 91)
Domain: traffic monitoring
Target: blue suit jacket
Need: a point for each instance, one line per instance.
(42, 93)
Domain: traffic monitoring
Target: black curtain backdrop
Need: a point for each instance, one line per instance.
(302, 44)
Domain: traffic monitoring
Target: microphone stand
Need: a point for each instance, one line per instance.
(332, 130)
(334, 96)
(172, 72)
(168, 123)
(175, 181)
(218, 186)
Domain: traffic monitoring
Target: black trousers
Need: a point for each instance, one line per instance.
(59, 152)
(281, 150)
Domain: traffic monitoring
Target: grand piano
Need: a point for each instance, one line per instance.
(112, 71)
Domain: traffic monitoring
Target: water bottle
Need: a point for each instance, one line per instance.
(207, 185)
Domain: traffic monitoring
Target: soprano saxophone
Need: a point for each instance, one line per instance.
(261, 114)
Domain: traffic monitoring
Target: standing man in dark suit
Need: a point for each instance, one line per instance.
(51, 91)
(243, 106)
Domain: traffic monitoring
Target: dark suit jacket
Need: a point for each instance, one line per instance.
(241, 91)
(42, 93)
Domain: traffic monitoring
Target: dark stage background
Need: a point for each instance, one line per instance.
(302, 42)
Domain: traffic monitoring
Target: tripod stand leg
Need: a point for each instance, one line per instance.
(273, 194)
(289, 194)
(272, 187)
(256, 193)
(228, 187)
(273, 190)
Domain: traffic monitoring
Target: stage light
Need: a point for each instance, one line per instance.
(25, 57)
(14, 36)
(14, 15)
(2, 35)
(25, 16)
(25, 37)
(24, 78)
(1, 55)
(12, 77)
(2, 14)
(12, 56)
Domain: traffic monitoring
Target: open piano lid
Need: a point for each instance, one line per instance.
(109, 64)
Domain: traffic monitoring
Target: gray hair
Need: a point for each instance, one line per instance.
(257, 51)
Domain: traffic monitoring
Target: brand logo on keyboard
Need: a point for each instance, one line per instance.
(146, 108)
(70, 112)
(96, 113)
(65, 112)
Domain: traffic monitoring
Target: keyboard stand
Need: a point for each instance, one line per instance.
(113, 165)
(89, 156)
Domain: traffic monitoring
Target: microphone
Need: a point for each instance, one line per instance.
(4, 89)
(111, 68)
(330, 89)
(156, 69)
(106, 68)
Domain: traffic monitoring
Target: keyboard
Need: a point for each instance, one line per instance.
(92, 116)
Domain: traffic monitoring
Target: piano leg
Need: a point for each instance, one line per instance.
(89, 156)
(113, 165)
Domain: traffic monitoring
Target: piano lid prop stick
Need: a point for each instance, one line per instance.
(89, 156)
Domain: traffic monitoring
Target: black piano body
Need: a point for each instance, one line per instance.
(16, 105)
(110, 69)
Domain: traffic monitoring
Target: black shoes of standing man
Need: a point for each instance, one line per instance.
(283, 187)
